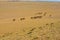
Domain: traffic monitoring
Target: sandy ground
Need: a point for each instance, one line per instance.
(29, 21)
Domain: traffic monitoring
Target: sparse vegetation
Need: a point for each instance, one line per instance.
(14, 19)
(33, 33)
(22, 19)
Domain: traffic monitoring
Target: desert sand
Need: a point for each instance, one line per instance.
(29, 21)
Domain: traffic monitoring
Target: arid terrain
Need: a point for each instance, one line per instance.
(29, 21)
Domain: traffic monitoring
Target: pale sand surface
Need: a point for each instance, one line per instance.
(45, 28)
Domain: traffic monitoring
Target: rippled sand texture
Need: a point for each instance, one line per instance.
(29, 21)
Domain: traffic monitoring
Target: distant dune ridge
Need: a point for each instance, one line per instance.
(30, 0)
(24, 0)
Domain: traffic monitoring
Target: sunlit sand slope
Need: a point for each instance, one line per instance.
(29, 21)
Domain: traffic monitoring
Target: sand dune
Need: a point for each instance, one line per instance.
(29, 21)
